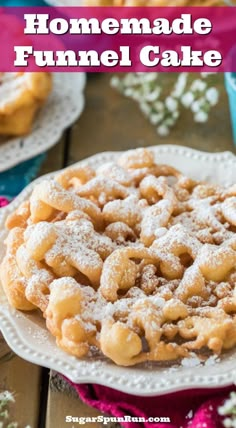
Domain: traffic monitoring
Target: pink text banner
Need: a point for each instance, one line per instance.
(106, 39)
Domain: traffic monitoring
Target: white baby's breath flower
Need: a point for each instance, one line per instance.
(163, 130)
(228, 405)
(180, 85)
(154, 95)
(145, 89)
(212, 96)
(7, 396)
(115, 82)
(198, 85)
(231, 402)
(171, 104)
(136, 96)
(178, 91)
(221, 410)
(13, 425)
(176, 114)
(227, 423)
(159, 106)
(205, 74)
(227, 408)
(170, 121)
(187, 99)
(128, 92)
(201, 116)
(197, 105)
(150, 77)
(156, 118)
(145, 108)
(129, 79)
(139, 80)
(182, 78)
(4, 414)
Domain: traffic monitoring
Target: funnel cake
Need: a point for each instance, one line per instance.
(133, 258)
(155, 3)
(21, 95)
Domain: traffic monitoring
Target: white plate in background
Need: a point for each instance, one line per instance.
(63, 106)
(67, 3)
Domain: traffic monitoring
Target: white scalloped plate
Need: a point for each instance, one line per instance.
(27, 336)
(67, 3)
(63, 107)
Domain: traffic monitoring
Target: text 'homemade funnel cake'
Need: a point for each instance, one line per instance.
(21, 95)
(133, 258)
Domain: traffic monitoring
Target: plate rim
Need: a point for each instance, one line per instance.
(27, 351)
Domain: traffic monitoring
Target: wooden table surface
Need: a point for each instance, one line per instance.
(109, 122)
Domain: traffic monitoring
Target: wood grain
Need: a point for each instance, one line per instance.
(113, 122)
(55, 157)
(63, 401)
(24, 380)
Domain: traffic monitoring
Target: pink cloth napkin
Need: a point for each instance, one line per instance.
(186, 409)
(3, 202)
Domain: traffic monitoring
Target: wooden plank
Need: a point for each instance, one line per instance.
(54, 158)
(112, 122)
(23, 379)
(4, 349)
(63, 401)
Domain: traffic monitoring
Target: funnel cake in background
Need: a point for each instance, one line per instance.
(133, 258)
(21, 96)
(140, 3)
(154, 3)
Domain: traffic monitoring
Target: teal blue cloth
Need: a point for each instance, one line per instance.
(22, 3)
(15, 179)
(230, 83)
